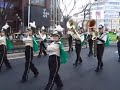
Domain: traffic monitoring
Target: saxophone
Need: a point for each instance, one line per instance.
(91, 25)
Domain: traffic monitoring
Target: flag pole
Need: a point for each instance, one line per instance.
(29, 6)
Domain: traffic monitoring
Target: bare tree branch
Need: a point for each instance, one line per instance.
(74, 6)
(65, 9)
(69, 3)
(82, 10)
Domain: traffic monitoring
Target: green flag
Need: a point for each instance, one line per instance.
(8, 44)
(35, 45)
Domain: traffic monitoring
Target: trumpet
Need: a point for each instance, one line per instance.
(72, 29)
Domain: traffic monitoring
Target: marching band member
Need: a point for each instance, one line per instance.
(85, 36)
(101, 39)
(54, 63)
(70, 41)
(90, 42)
(29, 56)
(3, 51)
(78, 45)
(42, 40)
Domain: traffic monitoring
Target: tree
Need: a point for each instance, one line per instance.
(70, 12)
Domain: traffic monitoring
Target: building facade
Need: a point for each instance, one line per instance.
(39, 12)
(55, 12)
(107, 12)
(17, 13)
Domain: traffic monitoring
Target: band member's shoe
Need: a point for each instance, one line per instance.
(72, 49)
(97, 69)
(75, 64)
(101, 66)
(24, 79)
(79, 62)
(36, 75)
(39, 56)
(89, 55)
(45, 54)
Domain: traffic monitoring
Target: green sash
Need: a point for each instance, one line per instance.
(35, 45)
(107, 43)
(9, 44)
(63, 54)
(83, 42)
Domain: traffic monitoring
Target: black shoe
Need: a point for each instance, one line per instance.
(72, 49)
(75, 64)
(89, 55)
(101, 67)
(80, 61)
(45, 54)
(39, 56)
(36, 75)
(97, 70)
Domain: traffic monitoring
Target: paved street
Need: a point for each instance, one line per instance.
(82, 77)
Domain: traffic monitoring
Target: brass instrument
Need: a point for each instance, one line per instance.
(71, 25)
(91, 25)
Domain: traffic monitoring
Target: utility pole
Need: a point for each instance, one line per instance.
(23, 10)
(29, 7)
